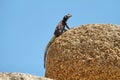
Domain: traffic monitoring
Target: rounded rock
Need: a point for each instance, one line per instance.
(87, 52)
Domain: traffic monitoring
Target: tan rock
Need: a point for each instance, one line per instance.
(87, 52)
(20, 76)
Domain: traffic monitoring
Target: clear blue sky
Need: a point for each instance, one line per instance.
(26, 26)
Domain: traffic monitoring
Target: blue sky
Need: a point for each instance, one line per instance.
(26, 26)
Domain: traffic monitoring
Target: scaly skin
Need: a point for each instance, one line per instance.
(58, 31)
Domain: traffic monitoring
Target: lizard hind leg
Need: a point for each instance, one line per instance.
(64, 30)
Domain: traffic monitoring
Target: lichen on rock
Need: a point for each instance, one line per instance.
(87, 52)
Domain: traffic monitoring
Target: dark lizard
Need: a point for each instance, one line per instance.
(58, 31)
(61, 26)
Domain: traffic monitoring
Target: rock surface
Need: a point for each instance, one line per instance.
(20, 76)
(87, 52)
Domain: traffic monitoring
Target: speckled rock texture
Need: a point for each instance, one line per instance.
(20, 76)
(86, 52)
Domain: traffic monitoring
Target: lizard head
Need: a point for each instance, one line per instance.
(66, 17)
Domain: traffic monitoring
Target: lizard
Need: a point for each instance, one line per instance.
(60, 28)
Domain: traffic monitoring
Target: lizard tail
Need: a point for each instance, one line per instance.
(46, 50)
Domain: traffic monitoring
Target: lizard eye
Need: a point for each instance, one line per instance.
(69, 15)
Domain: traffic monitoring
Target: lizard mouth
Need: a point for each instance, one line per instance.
(69, 15)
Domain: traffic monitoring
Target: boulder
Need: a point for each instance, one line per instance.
(86, 52)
